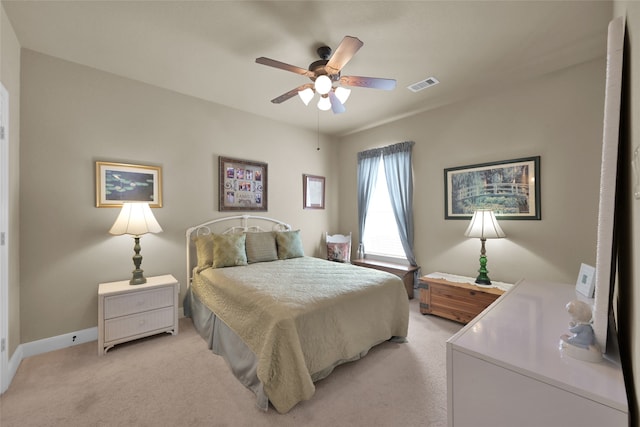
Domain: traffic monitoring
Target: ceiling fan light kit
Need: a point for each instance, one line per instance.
(324, 73)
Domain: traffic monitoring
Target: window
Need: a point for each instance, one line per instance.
(381, 236)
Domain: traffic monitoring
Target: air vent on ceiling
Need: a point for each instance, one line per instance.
(423, 84)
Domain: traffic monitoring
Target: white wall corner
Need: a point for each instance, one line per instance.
(13, 365)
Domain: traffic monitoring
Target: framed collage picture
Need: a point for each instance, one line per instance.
(243, 185)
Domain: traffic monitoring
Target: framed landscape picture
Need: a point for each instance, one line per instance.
(243, 185)
(511, 188)
(117, 183)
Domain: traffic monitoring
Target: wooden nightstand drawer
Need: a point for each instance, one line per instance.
(459, 301)
(136, 324)
(136, 302)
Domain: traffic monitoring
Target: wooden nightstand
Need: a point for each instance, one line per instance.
(457, 299)
(127, 312)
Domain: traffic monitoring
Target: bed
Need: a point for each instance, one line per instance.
(280, 319)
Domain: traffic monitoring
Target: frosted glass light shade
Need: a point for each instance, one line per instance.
(306, 95)
(336, 105)
(324, 103)
(484, 225)
(323, 85)
(342, 93)
(135, 219)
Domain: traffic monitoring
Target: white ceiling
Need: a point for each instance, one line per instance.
(207, 49)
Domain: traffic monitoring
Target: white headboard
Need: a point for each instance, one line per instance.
(229, 224)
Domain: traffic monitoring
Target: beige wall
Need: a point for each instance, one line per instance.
(558, 117)
(73, 116)
(10, 78)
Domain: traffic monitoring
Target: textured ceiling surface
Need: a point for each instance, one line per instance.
(207, 49)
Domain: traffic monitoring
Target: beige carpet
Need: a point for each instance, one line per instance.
(176, 381)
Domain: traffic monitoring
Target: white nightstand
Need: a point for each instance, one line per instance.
(128, 312)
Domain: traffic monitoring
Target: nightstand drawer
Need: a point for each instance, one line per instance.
(136, 324)
(136, 302)
(460, 300)
(443, 294)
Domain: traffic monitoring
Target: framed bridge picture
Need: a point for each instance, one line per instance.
(511, 188)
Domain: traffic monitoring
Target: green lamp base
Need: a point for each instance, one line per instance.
(483, 278)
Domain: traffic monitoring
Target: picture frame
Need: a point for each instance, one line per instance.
(313, 191)
(242, 185)
(586, 282)
(511, 188)
(117, 183)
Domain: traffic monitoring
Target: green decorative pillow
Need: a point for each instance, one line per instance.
(261, 247)
(289, 244)
(229, 250)
(204, 251)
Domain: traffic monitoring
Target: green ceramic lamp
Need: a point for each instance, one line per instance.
(136, 219)
(484, 225)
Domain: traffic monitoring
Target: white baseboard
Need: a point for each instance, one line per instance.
(58, 342)
(46, 345)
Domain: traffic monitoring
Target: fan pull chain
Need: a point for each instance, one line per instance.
(318, 133)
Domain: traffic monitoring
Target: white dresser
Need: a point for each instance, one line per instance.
(128, 312)
(505, 368)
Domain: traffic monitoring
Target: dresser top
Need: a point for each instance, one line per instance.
(521, 332)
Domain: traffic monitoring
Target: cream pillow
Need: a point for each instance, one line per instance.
(229, 250)
(289, 244)
(261, 246)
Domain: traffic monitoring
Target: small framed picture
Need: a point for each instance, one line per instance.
(313, 191)
(585, 285)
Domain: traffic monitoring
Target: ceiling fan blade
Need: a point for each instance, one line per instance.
(291, 93)
(336, 106)
(281, 65)
(343, 53)
(370, 82)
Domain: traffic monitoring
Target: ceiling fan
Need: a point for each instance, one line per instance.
(324, 73)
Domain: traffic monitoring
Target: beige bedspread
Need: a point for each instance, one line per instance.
(303, 316)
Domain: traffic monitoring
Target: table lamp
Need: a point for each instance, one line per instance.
(136, 219)
(484, 225)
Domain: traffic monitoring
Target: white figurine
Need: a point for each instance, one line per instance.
(581, 344)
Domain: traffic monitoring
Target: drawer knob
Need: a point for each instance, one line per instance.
(142, 322)
(472, 292)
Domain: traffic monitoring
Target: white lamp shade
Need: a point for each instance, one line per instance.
(484, 225)
(306, 95)
(323, 85)
(135, 219)
(342, 93)
(324, 103)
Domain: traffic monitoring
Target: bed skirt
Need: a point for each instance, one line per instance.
(222, 341)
